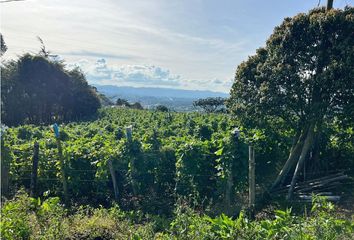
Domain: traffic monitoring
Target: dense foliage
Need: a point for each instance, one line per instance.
(29, 218)
(37, 90)
(170, 154)
(300, 82)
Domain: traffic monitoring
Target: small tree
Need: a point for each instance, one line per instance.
(162, 108)
(122, 102)
(137, 105)
(210, 104)
(36, 90)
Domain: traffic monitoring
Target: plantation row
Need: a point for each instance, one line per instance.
(170, 154)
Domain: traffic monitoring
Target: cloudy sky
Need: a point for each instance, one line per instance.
(186, 44)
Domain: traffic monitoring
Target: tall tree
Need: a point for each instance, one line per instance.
(302, 78)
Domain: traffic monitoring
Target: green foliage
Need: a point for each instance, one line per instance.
(15, 218)
(297, 85)
(165, 150)
(28, 218)
(189, 156)
(188, 224)
(303, 73)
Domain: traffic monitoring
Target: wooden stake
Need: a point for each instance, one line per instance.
(129, 133)
(228, 191)
(251, 179)
(33, 192)
(114, 180)
(62, 170)
(5, 169)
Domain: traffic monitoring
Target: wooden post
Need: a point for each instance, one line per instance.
(5, 169)
(251, 179)
(228, 191)
(114, 180)
(62, 171)
(61, 162)
(33, 192)
(129, 135)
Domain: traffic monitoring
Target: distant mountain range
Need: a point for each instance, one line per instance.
(176, 99)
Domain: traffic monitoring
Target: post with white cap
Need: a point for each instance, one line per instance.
(61, 162)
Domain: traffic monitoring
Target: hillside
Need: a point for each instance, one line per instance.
(176, 99)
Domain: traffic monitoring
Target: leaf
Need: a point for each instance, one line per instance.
(219, 152)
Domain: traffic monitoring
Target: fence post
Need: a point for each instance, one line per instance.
(251, 180)
(5, 169)
(33, 192)
(114, 180)
(61, 163)
(129, 135)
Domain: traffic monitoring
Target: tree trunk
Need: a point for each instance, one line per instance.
(305, 150)
(315, 165)
(329, 4)
(292, 159)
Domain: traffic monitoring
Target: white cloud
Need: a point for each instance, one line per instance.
(102, 71)
(125, 33)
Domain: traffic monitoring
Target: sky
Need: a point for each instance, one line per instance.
(184, 44)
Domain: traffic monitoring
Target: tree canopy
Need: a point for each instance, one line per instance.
(122, 102)
(303, 78)
(210, 104)
(162, 108)
(38, 90)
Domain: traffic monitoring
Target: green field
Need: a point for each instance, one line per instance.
(170, 176)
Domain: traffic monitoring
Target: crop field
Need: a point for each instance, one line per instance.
(169, 174)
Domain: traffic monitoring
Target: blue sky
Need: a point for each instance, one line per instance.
(186, 44)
